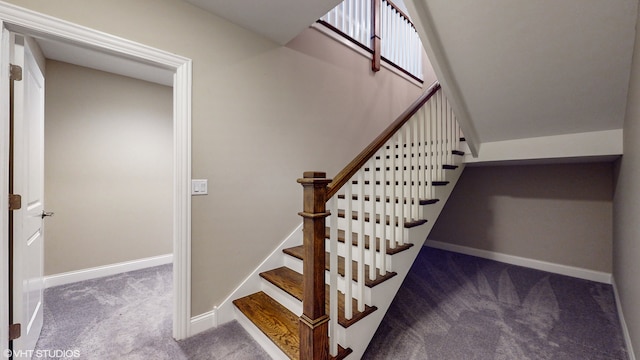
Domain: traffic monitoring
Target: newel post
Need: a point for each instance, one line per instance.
(314, 322)
(375, 37)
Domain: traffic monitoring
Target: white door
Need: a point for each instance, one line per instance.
(28, 160)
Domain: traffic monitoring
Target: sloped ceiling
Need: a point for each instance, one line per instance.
(523, 69)
(278, 20)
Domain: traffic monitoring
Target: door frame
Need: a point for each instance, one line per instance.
(28, 22)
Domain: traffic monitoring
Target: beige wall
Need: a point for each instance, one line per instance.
(108, 168)
(556, 213)
(262, 114)
(626, 210)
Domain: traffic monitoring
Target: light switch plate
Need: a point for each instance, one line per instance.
(199, 187)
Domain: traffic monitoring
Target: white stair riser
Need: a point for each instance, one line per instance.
(259, 336)
(294, 305)
(295, 263)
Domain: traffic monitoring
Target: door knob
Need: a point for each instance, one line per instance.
(45, 214)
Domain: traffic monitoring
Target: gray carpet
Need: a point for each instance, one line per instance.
(128, 316)
(453, 306)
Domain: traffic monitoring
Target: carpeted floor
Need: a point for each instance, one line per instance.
(451, 306)
(128, 316)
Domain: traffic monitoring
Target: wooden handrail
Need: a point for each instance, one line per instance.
(362, 158)
(400, 12)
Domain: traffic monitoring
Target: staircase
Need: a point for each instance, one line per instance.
(392, 192)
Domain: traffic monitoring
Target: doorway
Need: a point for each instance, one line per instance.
(136, 59)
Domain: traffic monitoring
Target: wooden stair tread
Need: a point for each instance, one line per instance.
(286, 279)
(277, 323)
(405, 183)
(419, 143)
(291, 282)
(354, 242)
(368, 198)
(407, 223)
(298, 252)
(274, 320)
(413, 155)
(412, 167)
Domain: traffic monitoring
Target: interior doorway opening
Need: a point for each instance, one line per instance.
(108, 53)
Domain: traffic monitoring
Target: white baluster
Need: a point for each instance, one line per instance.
(383, 211)
(439, 132)
(353, 11)
(408, 130)
(450, 135)
(366, 22)
(366, 39)
(348, 241)
(333, 275)
(385, 41)
(443, 145)
(413, 54)
(423, 154)
(392, 33)
(401, 190)
(429, 150)
(419, 57)
(456, 133)
(343, 18)
(373, 200)
(393, 195)
(360, 257)
(415, 199)
(359, 23)
(401, 40)
(417, 48)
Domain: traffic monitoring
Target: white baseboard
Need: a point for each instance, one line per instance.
(572, 271)
(623, 323)
(203, 322)
(106, 270)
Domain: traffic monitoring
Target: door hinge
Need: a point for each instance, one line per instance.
(14, 331)
(16, 72)
(15, 202)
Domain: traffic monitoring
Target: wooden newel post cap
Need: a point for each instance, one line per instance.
(314, 175)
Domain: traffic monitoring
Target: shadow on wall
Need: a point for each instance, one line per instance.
(561, 213)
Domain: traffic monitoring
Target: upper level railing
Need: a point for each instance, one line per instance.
(371, 202)
(382, 28)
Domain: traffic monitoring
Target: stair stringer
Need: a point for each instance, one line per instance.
(226, 311)
(358, 336)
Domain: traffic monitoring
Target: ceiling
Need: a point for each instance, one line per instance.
(278, 20)
(523, 69)
(518, 69)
